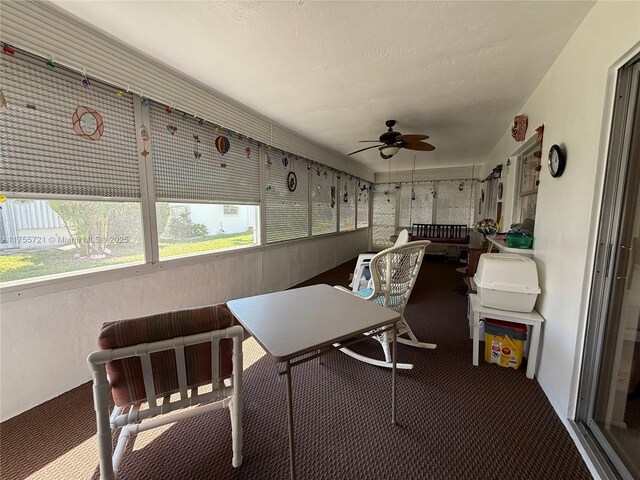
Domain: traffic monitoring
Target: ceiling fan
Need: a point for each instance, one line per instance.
(391, 142)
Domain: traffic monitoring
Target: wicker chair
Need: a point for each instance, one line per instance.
(173, 357)
(393, 273)
(359, 280)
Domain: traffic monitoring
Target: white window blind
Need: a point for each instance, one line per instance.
(384, 216)
(420, 209)
(188, 166)
(287, 212)
(41, 153)
(324, 200)
(363, 204)
(455, 206)
(347, 200)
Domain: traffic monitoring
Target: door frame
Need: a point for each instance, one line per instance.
(606, 256)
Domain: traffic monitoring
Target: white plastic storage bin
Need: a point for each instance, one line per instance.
(507, 281)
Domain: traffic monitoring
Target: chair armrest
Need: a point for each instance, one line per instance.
(341, 288)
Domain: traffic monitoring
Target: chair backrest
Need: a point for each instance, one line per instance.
(403, 238)
(394, 272)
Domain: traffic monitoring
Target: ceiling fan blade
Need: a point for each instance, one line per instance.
(363, 149)
(369, 141)
(411, 138)
(421, 146)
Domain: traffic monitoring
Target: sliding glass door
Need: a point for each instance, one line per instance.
(609, 403)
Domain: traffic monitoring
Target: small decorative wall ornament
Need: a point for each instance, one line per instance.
(144, 103)
(119, 93)
(144, 133)
(201, 122)
(144, 153)
(292, 181)
(333, 195)
(319, 188)
(87, 123)
(318, 171)
(413, 194)
(196, 141)
(3, 101)
(519, 129)
(223, 165)
(50, 65)
(168, 110)
(268, 162)
(285, 162)
(222, 145)
(461, 186)
(247, 151)
(8, 50)
(184, 115)
(85, 82)
(172, 129)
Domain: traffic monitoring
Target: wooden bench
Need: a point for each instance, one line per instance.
(445, 239)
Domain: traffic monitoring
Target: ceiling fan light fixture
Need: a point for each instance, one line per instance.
(390, 150)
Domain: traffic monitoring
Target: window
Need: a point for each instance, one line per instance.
(347, 202)
(416, 208)
(454, 202)
(194, 228)
(363, 193)
(287, 208)
(231, 210)
(324, 206)
(74, 201)
(527, 183)
(197, 166)
(384, 216)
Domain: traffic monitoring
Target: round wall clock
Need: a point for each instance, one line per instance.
(557, 161)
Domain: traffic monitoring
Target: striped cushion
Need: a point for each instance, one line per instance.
(125, 375)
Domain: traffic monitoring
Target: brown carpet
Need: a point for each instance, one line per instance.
(456, 421)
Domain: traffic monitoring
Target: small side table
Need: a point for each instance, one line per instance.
(478, 312)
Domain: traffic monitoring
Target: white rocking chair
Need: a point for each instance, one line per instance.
(148, 359)
(359, 280)
(393, 274)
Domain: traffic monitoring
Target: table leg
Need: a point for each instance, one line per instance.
(533, 351)
(292, 461)
(476, 337)
(393, 373)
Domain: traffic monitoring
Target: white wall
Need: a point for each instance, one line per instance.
(574, 102)
(45, 339)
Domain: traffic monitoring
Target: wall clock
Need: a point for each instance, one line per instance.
(557, 161)
(292, 181)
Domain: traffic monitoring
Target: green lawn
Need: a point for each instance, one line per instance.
(20, 266)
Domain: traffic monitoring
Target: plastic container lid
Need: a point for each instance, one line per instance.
(501, 328)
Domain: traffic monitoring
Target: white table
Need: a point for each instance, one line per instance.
(533, 319)
(305, 320)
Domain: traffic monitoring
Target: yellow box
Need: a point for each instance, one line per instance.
(503, 350)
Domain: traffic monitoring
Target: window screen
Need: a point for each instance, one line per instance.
(287, 212)
(188, 163)
(324, 201)
(41, 153)
(384, 216)
(363, 204)
(347, 202)
(453, 205)
(420, 209)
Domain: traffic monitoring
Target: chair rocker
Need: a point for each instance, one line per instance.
(172, 357)
(393, 274)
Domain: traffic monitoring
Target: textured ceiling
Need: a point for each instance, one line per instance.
(335, 71)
